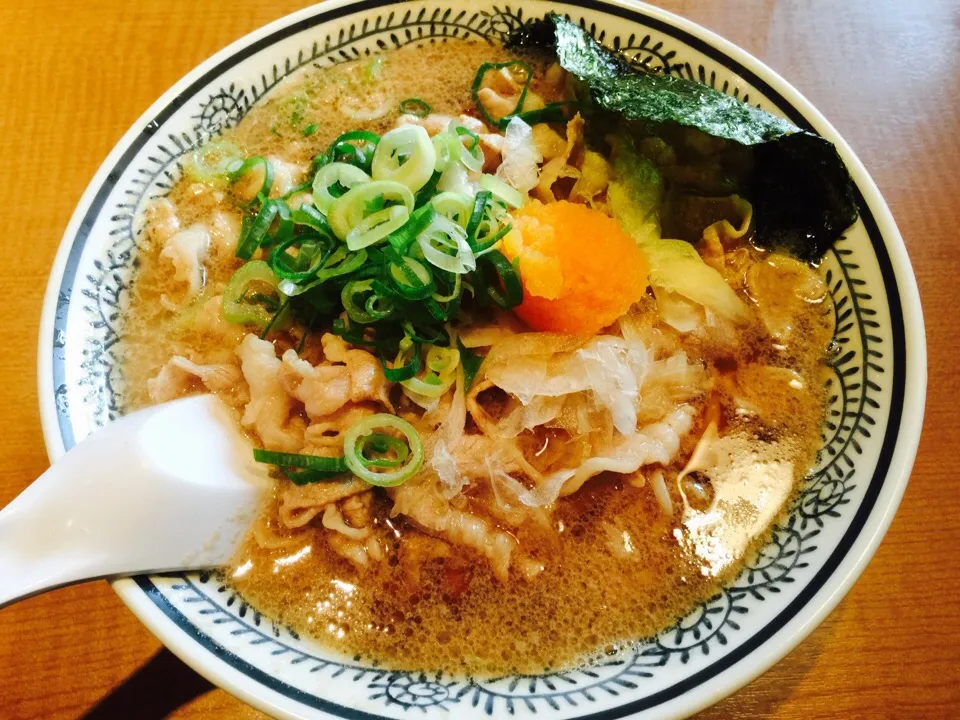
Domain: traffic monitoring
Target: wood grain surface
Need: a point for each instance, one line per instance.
(74, 76)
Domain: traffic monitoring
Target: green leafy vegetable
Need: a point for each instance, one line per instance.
(471, 363)
(799, 187)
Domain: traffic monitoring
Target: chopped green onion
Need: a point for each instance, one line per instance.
(444, 245)
(478, 81)
(356, 439)
(296, 190)
(354, 336)
(455, 206)
(382, 444)
(285, 225)
(349, 209)
(405, 155)
(310, 217)
(282, 312)
(425, 193)
(549, 113)
(238, 169)
(455, 289)
(340, 262)
(512, 197)
(305, 477)
(253, 232)
(356, 147)
(310, 129)
(440, 375)
(210, 162)
(442, 313)
(443, 360)
(368, 312)
(471, 154)
(252, 296)
(471, 362)
(506, 276)
(488, 223)
(379, 307)
(429, 386)
(375, 227)
(331, 177)
(410, 278)
(439, 336)
(305, 462)
(403, 368)
(416, 107)
(447, 147)
(312, 251)
(402, 239)
(374, 68)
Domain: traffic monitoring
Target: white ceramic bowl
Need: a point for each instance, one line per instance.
(834, 528)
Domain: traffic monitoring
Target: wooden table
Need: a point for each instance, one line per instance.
(73, 76)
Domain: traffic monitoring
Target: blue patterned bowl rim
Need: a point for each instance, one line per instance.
(691, 691)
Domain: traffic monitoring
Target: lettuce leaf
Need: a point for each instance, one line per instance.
(801, 192)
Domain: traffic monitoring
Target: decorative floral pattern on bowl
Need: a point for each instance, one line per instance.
(832, 528)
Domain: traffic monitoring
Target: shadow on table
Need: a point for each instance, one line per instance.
(152, 692)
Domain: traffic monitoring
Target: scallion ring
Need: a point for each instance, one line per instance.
(455, 290)
(511, 196)
(426, 335)
(405, 155)
(384, 445)
(312, 252)
(306, 477)
(332, 181)
(354, 442)
(348, 210)
(489, 222)
(255, 231)
(416, 107)
(411, 278)
(340, 262)
(402, 239)
(444, 245)
(238, 169)
(455, 206)
(443, 360)
(471, 154)
(375, 227)
(427, 191)
(478, 82)
(309, 216)
(252, 296)
(356, 147)
(364, 310)
(547, 114)
(447, 147)
(507, 278)
(211, 161)
(407, 363)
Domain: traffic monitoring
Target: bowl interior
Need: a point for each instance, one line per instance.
(832, 527)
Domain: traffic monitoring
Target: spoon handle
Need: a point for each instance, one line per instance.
(153, 491)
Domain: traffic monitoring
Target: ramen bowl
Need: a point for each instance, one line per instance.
(831, 529)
